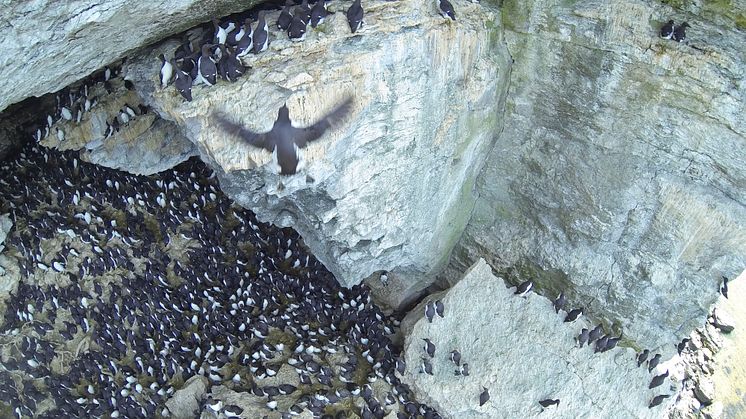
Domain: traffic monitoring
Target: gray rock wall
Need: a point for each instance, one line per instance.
(392, 188)
(522, 352)
(619, 175)
(50, 44)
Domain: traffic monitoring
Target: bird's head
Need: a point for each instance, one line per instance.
(283, 114)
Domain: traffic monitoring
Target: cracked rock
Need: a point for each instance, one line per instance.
(522, 352)
(186, 401)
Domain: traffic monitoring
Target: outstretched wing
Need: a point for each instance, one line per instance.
(253, 138)
(315, 131)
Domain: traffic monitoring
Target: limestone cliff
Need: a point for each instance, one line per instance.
(618, 177)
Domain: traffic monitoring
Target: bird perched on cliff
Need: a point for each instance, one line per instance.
(724, 287)
(284, 140)
(261, 34)
(440, 308)
(355, 16)
(429, 347)
(524, 288)
(642, 357)
(183, 82)
(207, 72)
(679, 32)
(582, 337)
(657, 400)
(167, 71)
(303, 12)
(573, 315)
(658, 380)
(446, 9)
(654, 362)
(246, 43)
(667, 30)
(549, 402)
(559, 302)
(318, 13)
(682, 345)
(283, 21)
(484, 397)
(297, 29)
(456, 357)
(429, 311)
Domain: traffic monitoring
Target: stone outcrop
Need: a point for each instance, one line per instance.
(522, 352)
(48, 44)
(392, 187)
(618, 178)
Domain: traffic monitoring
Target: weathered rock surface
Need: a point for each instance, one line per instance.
(619, 175)
(185, 402)
(49, 44)
(521, 350)
(5, 225)
(392, 188)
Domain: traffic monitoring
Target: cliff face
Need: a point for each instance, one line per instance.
(393, 187)
(49, 44)
(618, 178)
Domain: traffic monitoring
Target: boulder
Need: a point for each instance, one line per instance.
(185, 402)
(522, 352)
(49, 44)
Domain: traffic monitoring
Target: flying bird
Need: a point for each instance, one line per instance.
(284, 140)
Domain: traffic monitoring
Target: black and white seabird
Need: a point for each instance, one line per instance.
(355, 16)
(246, 43)
(658, 380)
(595, 333)
(183, 82)
(261, 34)
(426, 367)
(429, 347)
(523, 289)
(439, 308)
(667, 30)
(297, 29)
(430, 311)
(549, 402)
(682, 345)
(484, 397)
(207, 70)
(284, 140)
(657, 400)
(559, 302)
(573, 315)
(583, 337)
(318, 13)
(456, 357)
(654, 362)
(303, 12)
(283, 21)
(642, 357)
(724, 287)
(679, 32)
(446, 9)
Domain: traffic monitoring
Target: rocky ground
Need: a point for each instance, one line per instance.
(155, 296)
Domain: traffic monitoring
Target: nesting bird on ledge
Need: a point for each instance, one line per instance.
(284, 140)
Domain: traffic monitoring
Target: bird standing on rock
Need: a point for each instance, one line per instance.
(284, 140)
(446, 9)
(679, 32)
(355, 16)
(667, 30)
